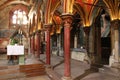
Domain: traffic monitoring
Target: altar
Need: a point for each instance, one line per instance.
(16, 50)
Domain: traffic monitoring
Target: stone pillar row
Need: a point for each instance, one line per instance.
(67, 21)
(35, 44)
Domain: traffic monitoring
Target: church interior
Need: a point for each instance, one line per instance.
(60, 39)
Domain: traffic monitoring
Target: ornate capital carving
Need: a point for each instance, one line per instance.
(115, 23)
(87, 30)
(47, 26)
(67, 19)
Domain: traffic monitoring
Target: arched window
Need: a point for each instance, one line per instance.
(19, 18)
(18, 22)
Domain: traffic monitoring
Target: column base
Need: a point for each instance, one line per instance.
(67, 78)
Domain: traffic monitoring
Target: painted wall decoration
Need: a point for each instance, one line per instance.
(5, 33)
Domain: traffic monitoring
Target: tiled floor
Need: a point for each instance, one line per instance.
(82, 70)
(79, 70)
(35, 78)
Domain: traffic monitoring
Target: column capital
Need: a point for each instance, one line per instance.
(38, 33)
(47, 26)
(65, 15)
(86, 29)
(33, 34)
(115, 23)
(67, 19)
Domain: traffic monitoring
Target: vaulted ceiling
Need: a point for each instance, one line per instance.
(87, 9)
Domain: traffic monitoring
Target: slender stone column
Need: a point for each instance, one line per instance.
(58, 43)
(98, 44)
(75, 41)
(48, 26)
(116, 45)
(33, 44)
(87, 30)
(30, 44)
(115, 24)
(67, 21)
(114, 58)
(38, 45)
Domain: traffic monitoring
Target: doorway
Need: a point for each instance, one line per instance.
(102, 42)
(105, 50)
(105, 39)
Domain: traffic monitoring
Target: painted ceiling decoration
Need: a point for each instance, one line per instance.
(57, 23)
(114, 10)
(50, 11)
(50, 8)
(68, 6)
(6, 3)
(86, 8)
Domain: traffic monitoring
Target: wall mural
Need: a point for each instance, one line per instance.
(4, 33)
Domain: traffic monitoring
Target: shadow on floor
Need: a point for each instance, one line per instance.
(93, 69)
(62, 61)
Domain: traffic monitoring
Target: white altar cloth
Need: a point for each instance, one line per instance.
(15, 50)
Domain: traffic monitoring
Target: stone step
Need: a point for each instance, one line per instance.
(33, 70)
(22, 71)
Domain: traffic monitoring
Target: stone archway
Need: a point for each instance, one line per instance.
(102, 42)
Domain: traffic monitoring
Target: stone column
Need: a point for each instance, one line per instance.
(33, 44)
(116, 45)
(29, 45)
(58, 43)
(75, 41)
(98, 44)
(38, 45)
(47, 27)
(59, 39)
(87, 30)
(67, 21)
(114, 58)
(115, 37)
